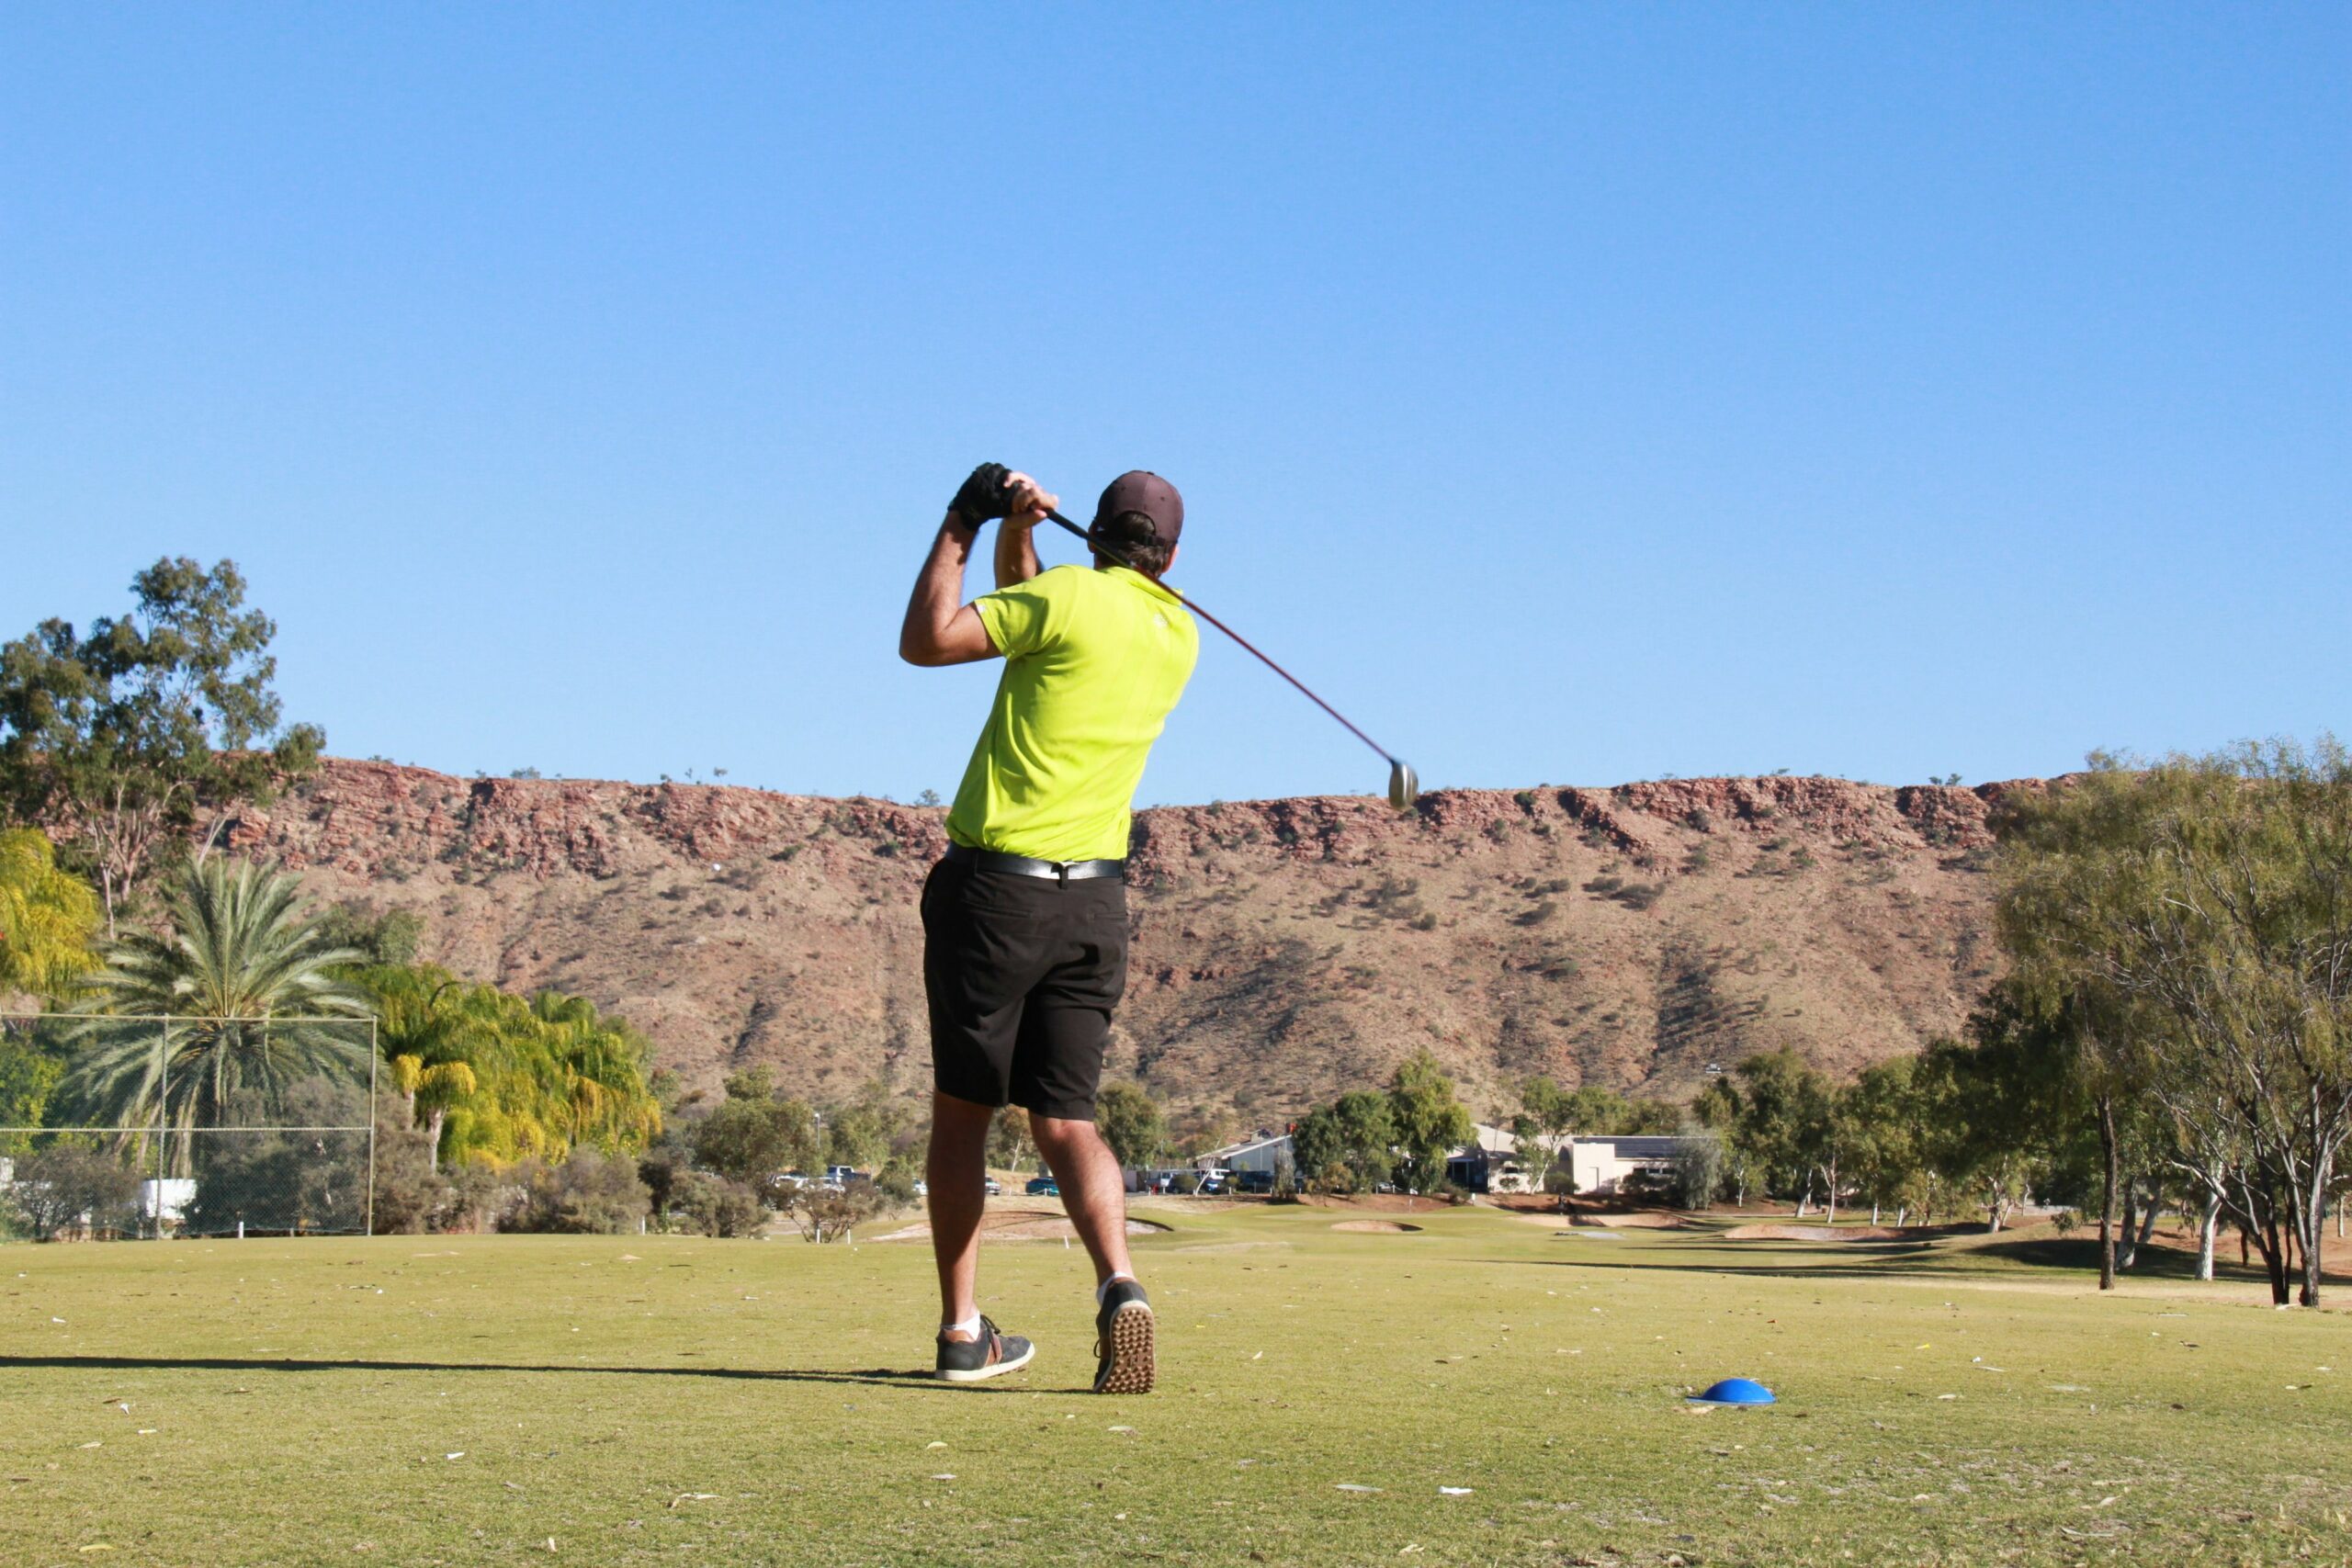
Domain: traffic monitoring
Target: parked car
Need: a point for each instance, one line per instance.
(1258, 1181)
(994, 1187)
(1044, 1187)
(1214, 1186)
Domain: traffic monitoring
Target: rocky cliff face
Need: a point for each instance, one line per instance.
(1283, 950)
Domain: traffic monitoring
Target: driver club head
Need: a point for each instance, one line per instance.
(1403, 786)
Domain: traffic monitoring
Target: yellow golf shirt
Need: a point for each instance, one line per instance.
(1093, 662)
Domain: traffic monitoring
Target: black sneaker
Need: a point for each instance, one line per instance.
(1123, 1340)
(991, 1355)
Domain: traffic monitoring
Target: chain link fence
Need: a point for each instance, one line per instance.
(164, 1126)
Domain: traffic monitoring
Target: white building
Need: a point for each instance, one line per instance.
(166, 1199)
(1263, 1150)
(1603, 1166)
(1492, 1162)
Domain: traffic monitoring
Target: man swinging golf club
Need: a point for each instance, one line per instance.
(1026, 920)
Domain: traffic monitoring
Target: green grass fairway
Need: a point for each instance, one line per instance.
(423, 1400)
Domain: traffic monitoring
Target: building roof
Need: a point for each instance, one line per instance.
(1261, 1141)
(1494, 1140)
(1642, 1147)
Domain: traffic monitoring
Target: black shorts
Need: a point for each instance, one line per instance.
(1022, 974)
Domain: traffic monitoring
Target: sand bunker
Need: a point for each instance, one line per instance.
(1646, 1220)
(1034, 1224)
(1380, 1227)
(1819, 1233)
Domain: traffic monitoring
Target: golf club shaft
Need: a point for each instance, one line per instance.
(1194, 605)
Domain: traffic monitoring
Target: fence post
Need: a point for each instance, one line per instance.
(163, 1112)
(374, 1052)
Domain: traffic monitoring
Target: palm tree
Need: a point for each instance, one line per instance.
(238, 991)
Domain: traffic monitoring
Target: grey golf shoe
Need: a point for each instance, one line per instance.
(989, 1356)
(1123, 1340)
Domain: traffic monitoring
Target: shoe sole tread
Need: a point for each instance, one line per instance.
(1133, 1369)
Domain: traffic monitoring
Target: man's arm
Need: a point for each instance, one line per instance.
(936, 630)
(1016, 548)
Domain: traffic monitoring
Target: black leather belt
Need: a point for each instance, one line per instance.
(1022, 865)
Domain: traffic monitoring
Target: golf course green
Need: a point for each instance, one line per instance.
(1486, 1389)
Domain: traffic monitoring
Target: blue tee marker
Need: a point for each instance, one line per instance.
(1735, 1391)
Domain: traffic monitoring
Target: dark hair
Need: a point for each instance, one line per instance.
(1136, 540)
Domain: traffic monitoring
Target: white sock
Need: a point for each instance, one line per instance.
(1104, 1289)
(970, 1326)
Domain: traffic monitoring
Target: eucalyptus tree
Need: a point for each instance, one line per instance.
(140, 738)
(1783, 1120)
(2214, 893)
(1718, 1108)
(1431, 1123)
(1886, 1141)
(1349, 1146)
(1549, 1112)
(248, 996)
(1132, 1123)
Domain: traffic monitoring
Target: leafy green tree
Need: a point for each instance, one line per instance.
(48, 917)
(1349, 1146)
(29, 1069)
(2216, 893)
(1698, 1167)
(282, 1175)
(75, 1186)
(1367, 1129)
(1132, 1123)
(412, 1193)
(1784, 1116)
(147, 735)
(1316, 1143)
(823, 1214)
(757, 1134)
(384, 938)
(704, 1204)
(1010, 1146)
(1549, 1110)
(425, 1020)
(497, 1078)
(865, 1133)
(1717, 1108)
(1888, 1153)
(1429, 1122)
(587, 1193)
(241, 959)
(1596, 1110)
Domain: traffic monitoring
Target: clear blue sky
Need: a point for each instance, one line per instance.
(1572, 393)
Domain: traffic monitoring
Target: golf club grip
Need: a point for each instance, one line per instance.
(1251, 649)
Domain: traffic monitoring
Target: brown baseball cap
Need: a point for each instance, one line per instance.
(1141, 492)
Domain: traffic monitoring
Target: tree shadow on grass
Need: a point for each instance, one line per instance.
(883, 1377)
(2025, 1258)
(2155, 1260)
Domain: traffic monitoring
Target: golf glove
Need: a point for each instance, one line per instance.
(985, 497)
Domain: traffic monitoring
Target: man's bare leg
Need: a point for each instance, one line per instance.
(1095, 1194)
(955, 1167)
(1093, 1189)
